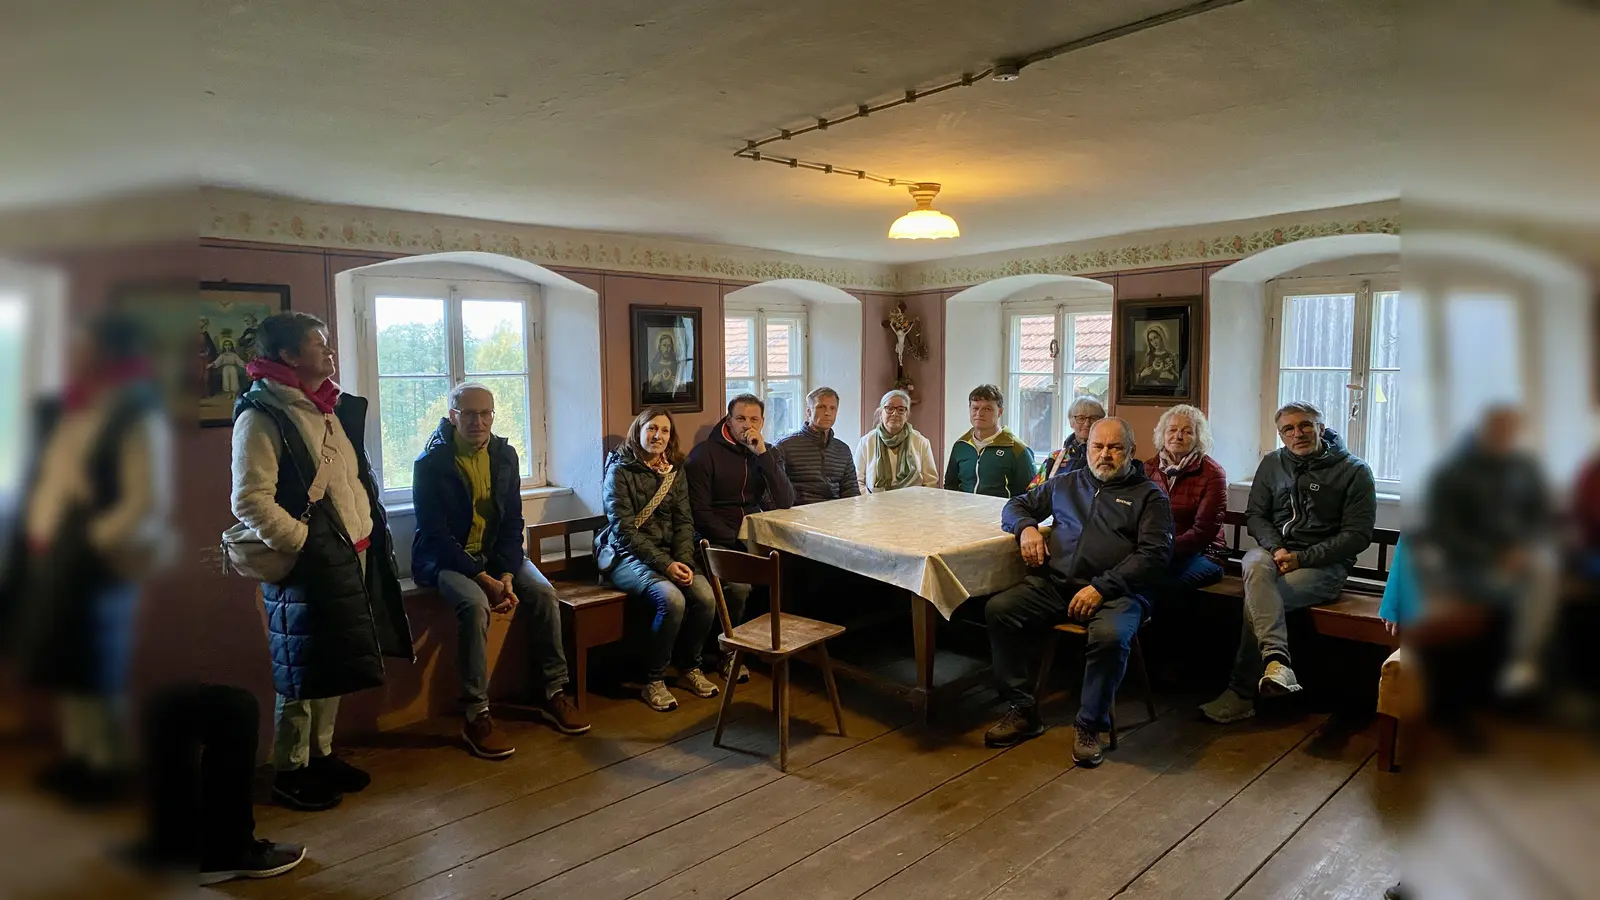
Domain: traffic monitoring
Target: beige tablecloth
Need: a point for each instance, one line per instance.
(941, 545)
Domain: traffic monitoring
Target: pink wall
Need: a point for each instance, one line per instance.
(201, 624)
(618, 293)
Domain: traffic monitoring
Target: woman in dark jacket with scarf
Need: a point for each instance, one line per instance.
(650, 539)
(1198, 488)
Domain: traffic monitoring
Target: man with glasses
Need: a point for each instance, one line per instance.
(1073, 453)
(467, 486)
(1312, 509)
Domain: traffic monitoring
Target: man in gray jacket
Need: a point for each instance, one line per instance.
(1312, 510)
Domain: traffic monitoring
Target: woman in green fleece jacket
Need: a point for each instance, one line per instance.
(988, 459)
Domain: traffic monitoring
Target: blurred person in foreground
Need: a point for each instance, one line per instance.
(1110, 544)
(338, 613)
(96, 520)
(1487, 559)
(1586, 509)
(1312, 509)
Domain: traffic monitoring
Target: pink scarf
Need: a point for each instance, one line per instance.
(323, 398)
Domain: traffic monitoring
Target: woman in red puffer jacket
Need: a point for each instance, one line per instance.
(1198, 489)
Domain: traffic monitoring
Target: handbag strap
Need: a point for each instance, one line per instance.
(661, 494)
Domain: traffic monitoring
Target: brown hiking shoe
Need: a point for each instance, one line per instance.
(484, 740)
(562, 713)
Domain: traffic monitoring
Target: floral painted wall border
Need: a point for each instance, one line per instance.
(236, 215)
(1178, 251)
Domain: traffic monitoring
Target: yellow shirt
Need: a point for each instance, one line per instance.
(473, 464)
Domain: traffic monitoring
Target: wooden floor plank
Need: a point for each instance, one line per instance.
(400, 808)
(1222, 854)
(859, 861)
(1010, 840)
(1118, 844)
(418, 788)
(528, 862)
(1348, 850)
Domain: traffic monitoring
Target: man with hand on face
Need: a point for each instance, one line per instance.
(1110, 543)
(1312, 509)
(732, 474)
(467, 486)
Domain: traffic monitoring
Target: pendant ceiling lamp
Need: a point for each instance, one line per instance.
(924, 222)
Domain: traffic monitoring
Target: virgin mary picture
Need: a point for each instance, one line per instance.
(666, 358)
(1158, 365)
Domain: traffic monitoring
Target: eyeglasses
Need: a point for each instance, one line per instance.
(1303, 428)
(475, 414)
(1084, 420)
(899, 410)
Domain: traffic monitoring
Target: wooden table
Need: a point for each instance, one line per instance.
(939, 547)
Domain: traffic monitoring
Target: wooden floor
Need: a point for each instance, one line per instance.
(645, 807)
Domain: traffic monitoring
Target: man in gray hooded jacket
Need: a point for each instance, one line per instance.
(1312, 510)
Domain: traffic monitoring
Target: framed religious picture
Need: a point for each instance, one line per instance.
(1159, 356)
(226, 342)
(666, 358)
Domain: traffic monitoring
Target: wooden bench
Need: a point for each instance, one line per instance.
(1354, 615)
(591, 610)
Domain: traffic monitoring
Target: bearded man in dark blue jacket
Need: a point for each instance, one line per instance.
(1110, 542)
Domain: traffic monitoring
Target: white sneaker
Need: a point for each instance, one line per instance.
(727, 671)
(657, 697)
(695, 682)
(1277, 681)
(1519, 679)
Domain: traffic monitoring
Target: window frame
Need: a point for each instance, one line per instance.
(1063, 310)
(760, 312)
(453, 291)
(1353, 429)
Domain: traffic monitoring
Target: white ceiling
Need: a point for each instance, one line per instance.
(623, 115)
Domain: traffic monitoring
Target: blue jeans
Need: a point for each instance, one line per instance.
(1195, 571)
(1268, 596)
(536, 601)
(680, 618)
(1039, 603)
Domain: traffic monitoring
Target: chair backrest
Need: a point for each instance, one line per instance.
(564, 530)
(745, 568)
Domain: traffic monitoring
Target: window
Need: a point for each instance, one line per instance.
(426, 336)
(765, 354)
(13, 389)
(1338, 347)
(1055, 353)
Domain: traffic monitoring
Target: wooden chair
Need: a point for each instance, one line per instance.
(1135, 665)
(774, 638)
(591, 610)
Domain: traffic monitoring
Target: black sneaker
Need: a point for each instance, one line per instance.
(339, 775)
(262, 859)
(301, 789)
(1017, 725)
(1086, 747)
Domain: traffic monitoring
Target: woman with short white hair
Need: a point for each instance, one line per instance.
(1073, 453)
(894, 455)
(1198, 489)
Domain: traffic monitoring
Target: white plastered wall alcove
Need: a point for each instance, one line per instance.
(569, 352)
(980, 310)
(833, 344)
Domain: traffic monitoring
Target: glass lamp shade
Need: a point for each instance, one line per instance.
(924, 224)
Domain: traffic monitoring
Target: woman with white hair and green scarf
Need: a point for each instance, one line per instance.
(894, 455)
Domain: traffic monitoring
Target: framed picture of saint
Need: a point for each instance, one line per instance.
(226, 342)
(666, 358)
(1159, 347)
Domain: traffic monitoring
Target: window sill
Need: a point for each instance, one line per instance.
(1384, 497)
(535, 493)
